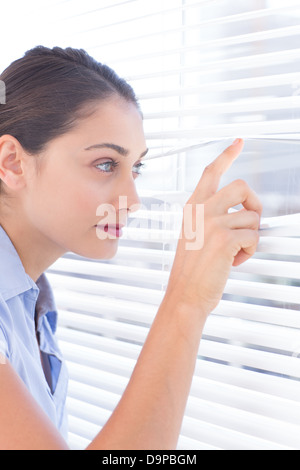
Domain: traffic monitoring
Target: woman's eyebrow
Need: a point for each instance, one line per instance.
(121, 150)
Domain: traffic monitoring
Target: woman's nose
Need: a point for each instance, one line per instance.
(129, 199)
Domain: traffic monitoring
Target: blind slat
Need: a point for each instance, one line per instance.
(279, 338)
(229, 41)
(229, 130)
(269, 385)
(269, 82)
(246, 106)
(239, 63)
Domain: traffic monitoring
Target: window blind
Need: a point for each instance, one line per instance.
(205, 72)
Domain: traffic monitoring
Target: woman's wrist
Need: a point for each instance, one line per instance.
(184, 311)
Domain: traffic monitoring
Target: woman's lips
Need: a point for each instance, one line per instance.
(114, 230)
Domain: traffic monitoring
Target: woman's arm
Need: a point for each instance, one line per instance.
(150, 412)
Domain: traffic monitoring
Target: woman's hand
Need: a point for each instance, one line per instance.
(198, 276)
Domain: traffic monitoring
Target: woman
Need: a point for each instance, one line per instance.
(71, 140)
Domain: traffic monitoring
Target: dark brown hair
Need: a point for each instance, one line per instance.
(47, 91)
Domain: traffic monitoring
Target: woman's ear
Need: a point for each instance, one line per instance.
(11, 163)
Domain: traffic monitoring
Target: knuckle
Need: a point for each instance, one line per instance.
(222, 237)
(227, 237)
(241, 186)
(209, 167)
(254, 239)
(255, 219)
(253, 242)
(212, 169)
(260, 207)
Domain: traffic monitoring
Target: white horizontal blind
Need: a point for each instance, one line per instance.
(205, 72)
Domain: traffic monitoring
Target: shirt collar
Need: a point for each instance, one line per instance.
(45, 304)
(13, 278)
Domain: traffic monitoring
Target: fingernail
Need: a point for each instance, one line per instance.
(237, 141)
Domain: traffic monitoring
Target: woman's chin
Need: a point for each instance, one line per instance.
(103, 250)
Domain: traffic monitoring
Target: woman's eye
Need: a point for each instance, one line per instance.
(138, 168)
(107, 167)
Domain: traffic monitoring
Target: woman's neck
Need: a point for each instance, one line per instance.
(36, 252)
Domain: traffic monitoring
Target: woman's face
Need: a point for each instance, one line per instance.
(85, 185)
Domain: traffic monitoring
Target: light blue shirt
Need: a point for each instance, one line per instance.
(20, 299)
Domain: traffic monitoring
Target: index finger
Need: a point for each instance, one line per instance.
(210, 180)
